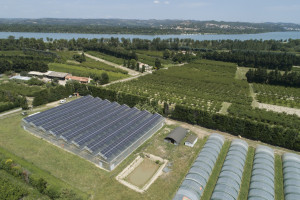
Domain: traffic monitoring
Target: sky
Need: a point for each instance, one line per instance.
(219, 10)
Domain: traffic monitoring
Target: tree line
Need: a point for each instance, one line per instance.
(274, 77)
(269, 60)
(291, 45)
(9, 100)
(21, 63)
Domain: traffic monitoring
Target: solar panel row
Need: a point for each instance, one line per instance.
(126, 140)
(54, 110)
(121, 130)
(74, 133)
(63, 112)
(96, 125)
(78, 123)
(120, 119)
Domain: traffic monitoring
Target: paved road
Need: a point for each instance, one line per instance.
(130, 71)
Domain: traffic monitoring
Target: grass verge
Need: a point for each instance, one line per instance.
(210, 186)
(279, 194)
(243, 195)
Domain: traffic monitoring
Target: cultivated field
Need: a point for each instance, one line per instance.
(203, 84)
(278, 95)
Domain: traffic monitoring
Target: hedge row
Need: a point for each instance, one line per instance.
(9, 191)
(59, 92)
(274, 135)
(37, 182)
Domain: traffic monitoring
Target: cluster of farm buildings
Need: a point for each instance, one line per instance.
(50, 75)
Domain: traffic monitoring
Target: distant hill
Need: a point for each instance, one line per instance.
(135, 26)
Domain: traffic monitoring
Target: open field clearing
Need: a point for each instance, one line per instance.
(117, 66)
(241, 73)
(106, 57)
(145, 57)
(81, 71)
(158, 54)
(204, 85)
(67, 57)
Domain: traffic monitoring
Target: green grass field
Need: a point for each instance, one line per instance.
(279, 194)
(243, 195)
(109, 58)
(79, 173)
(82, 71)
(158, 54)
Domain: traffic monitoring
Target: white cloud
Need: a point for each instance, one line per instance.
(167, 2)
(156, 2)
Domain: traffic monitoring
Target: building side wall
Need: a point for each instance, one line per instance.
(64, 145)
(86, 155)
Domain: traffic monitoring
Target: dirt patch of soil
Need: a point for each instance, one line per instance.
(142, 174)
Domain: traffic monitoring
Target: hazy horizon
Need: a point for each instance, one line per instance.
(31, 18)
(204, 10)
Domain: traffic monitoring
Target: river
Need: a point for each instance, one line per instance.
(68, 36)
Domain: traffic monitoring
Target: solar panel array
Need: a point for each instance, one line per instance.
(96, 125)
(291, 176)
(230, 178)
(262, 179)
(194, 183)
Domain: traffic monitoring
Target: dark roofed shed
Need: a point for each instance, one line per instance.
(177, 135)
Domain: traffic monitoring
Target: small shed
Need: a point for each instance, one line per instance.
(177, 135)
(191, 140)
(59, 75)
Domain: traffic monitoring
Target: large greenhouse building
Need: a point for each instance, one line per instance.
(100, 131)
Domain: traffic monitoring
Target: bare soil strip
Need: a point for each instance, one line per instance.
(225, 106)
(279, 109)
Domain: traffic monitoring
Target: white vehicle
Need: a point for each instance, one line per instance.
(62, 101)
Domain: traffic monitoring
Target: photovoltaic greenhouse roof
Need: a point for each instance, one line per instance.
(99, 126)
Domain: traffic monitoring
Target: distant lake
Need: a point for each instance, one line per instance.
(68, 36)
